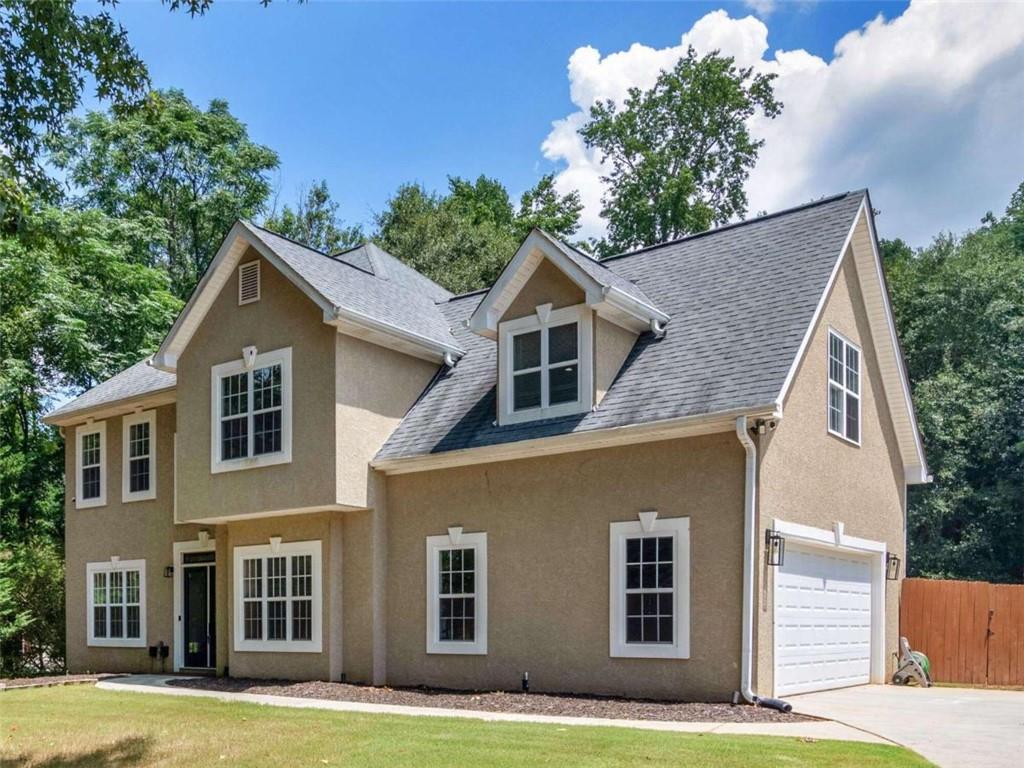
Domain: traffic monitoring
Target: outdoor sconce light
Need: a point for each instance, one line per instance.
(892, 567)
(775, 548)
(168, 571)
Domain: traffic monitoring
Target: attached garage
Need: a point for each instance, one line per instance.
(828, 614)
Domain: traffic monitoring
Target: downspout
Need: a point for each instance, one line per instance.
(749, 571)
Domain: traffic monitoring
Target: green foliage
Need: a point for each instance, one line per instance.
(46, 52)
(959, 306)
(463, 240)
(315, 222)
(33, 642)
(679, 152)
(180, 174)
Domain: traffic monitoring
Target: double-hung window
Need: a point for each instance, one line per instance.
(251, 406)
(649, 599)
(457, 593)
(116, 603)
(546, 364)
(278, 597)
(138, 466)
(91, 477)
(844, 374)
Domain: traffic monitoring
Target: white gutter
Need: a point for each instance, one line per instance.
(749, 554)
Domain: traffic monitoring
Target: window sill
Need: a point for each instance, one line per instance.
(537, 414)
(844, 438)
(266, 460)
(90, 504)
(456, 648)
(117, 642)
(128, 499)
(279, 646)
(631, 651)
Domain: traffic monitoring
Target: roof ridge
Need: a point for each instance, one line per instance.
(737, 224)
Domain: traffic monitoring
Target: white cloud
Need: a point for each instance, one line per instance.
(923, 109)
(762, 8)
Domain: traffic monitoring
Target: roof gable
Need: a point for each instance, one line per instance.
(356, 301)
(610, 294)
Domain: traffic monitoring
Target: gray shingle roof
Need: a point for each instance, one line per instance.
(369, 257)
(740, 297)
(135, 381)
(399, 303)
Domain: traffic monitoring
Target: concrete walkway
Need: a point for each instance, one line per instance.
(949, 726)
(808, 730)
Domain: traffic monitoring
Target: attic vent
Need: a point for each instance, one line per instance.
(249, 283)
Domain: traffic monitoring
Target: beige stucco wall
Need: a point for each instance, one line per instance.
(612, 344)
(357, 589)
(547, 522)
(282, 317)
(375, 387)
(291, 666)
(547, 285)
(132, 531)
(811, 477)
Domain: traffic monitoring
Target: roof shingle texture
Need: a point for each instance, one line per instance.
(601, 272)
(740, 299)
(139, 379)
(401, 304)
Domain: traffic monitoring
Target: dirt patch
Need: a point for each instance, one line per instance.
(44, 680)
(561, 705)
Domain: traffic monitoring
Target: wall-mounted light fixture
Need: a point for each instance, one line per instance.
(892, 567)
(168, 571)
(774, 548)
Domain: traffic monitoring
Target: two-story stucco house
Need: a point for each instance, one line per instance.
(679, 472)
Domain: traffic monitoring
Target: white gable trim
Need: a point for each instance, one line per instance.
(608, 301)
(883, 332)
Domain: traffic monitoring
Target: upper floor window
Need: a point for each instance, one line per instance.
(278, 597)
(91, 478)
(457, 593)
(843, 388)
(117, 603)
(650, 593)
(546, 364)
(138, 467)
(251, 408)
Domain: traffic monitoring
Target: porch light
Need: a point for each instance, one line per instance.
(774, 548)
(168, 571)
(892, 567)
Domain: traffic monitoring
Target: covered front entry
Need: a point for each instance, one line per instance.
(828, 613)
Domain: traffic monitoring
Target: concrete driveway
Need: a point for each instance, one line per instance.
(961, 727)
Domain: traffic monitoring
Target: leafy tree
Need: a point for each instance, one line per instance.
(681, 151)
(182, 174)
(47, 50)
(315, 221)
(463, 240)
(959, 306)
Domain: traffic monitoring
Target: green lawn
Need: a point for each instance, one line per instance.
(81, 726)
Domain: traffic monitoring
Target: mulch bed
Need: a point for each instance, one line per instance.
(43, 681)
(561, 705)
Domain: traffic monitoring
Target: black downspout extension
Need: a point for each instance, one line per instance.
(779, 704)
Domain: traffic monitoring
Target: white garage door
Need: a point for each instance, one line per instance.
(822, 620)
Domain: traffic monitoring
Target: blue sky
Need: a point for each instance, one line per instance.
(370, 96)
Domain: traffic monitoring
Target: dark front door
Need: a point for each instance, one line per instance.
(199, 619)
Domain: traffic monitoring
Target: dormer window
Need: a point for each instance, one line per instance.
(546, 364)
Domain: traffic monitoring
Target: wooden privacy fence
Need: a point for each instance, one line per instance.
(971, 631)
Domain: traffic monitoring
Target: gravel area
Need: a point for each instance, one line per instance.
(42, 681)
(563, 705)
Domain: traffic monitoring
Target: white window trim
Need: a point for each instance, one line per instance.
(455, 539)
(650, 525)
(109, 566)
(217, 372)
(126, 424)
(259, 283)
(542, 319)
(100, 428)
(315, 644)
(842, 385)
